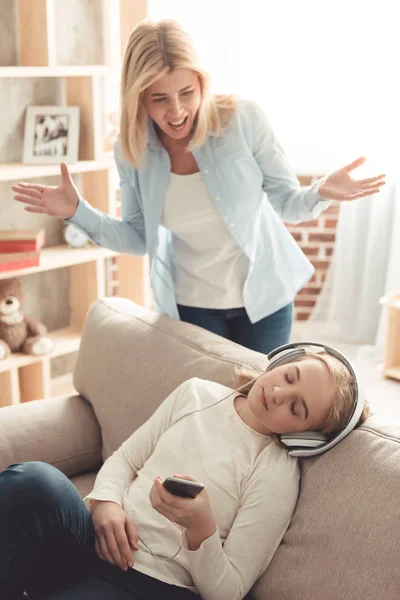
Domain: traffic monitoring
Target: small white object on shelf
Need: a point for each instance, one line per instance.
(75, 237)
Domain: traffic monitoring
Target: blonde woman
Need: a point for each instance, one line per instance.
(204, 186)
(141, 542)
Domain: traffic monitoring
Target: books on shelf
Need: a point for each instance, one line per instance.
(10, 261)
(22, 240)
(20, 249)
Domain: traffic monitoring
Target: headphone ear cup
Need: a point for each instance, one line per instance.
(284, 357)
(305, 444)
(304, 439)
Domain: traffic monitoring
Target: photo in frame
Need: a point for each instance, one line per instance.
(51, 134)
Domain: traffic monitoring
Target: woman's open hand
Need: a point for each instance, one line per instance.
(341, 186)
(61, 201)
(115, 534)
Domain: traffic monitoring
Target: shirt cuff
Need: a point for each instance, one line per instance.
(109, 498)
(211, 545)
(83, 216)
(315, 203)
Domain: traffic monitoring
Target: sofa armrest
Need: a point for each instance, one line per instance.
(63, 432)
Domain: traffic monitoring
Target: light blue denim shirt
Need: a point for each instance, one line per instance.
(248, 177)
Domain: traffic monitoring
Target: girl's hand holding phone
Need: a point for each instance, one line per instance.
(194, 514)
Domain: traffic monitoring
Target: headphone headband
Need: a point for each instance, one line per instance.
(307, 445)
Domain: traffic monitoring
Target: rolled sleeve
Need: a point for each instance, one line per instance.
(313, 201)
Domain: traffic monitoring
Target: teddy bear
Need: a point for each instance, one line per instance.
(19, 333)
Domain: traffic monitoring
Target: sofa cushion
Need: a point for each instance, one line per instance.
(344, 538)
(131, 358)
(61, 431)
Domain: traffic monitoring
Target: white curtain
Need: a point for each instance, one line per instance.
(324, 71)
(365, 267)
(392, 283)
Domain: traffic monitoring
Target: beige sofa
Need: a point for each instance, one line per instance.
(344, 539)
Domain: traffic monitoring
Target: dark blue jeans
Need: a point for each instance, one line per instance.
(234, 324)
(47, 544)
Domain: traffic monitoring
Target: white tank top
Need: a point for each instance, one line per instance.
(209, 267)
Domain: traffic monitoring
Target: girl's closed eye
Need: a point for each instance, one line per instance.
(187, 93)
(292, 410)
(287, 378)
(159, 99)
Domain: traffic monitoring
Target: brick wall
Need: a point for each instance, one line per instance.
(317, 240)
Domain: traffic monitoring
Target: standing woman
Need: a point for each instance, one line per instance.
(204, 186)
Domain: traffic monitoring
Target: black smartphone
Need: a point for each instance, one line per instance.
(182, 487)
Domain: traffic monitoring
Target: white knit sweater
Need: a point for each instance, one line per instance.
(252, 484)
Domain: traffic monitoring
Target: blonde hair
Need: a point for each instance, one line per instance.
(155, 49)
(343, 382)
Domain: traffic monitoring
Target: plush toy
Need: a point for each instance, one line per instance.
(19, 333)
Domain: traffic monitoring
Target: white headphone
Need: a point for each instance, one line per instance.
(312, 443)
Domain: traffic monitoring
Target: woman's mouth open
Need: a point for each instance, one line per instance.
(178, 125)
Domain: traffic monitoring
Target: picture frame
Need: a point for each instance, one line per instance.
(51, 135)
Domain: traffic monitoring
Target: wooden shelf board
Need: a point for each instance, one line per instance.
(14, 171)
(62, 386)
(393, 372)
(57, 257)
(57, 71)
(66, 341)
(16, 360)
(20, 171)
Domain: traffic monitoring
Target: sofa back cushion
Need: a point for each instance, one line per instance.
(344, 539)
(130, 359)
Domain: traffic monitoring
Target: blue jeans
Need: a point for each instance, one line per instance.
(47, 544)
(234, 324)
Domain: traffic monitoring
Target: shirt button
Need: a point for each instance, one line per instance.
(205, 171)
(232, 225)
(218, 198)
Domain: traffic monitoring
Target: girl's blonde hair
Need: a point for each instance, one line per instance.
(155, 49)
(343, 382)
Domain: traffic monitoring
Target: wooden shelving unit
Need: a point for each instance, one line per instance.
(391, 367)
(57, 257)
(56, 71)
(19, 171)
(65, 340)
(24, 378)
